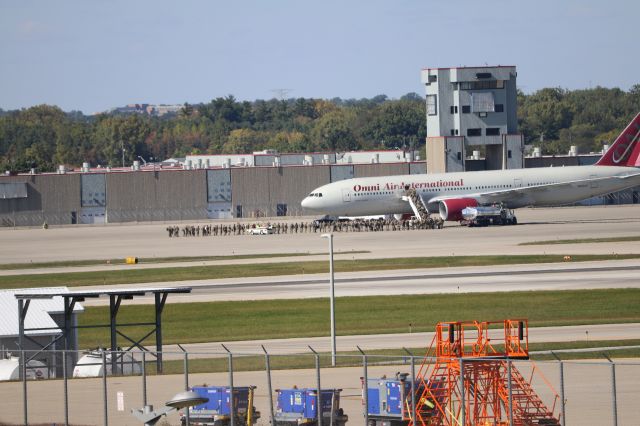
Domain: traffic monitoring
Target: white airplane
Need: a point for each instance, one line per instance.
(450, 193)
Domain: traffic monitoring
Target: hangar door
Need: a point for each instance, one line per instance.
(219, 194)
(93, 198)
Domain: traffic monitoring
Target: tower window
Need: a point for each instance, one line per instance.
(499, 108)
(466, 109)
(432, 104)
(493, 131)
(474, 132)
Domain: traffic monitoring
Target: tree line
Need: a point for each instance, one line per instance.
(44, 136)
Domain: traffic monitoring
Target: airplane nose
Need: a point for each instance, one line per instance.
(305, 203)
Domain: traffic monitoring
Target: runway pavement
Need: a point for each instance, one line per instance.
(551, 276)
(151, 240)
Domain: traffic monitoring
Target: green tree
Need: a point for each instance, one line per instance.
(396, 124)
(544, 113)
(334, 131)
(244, 141)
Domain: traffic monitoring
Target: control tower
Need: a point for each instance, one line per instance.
(472, 109)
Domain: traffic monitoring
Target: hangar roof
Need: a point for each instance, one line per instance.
(38, 314)
(125, 293)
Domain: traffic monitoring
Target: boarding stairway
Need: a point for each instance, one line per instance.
(528, 408)
(417, 204)
(465, 375)
(435, 397)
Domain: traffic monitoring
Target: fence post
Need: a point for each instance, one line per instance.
(614, 399)
(563, 421)
(463, 408)
(104, 387)
(186, 386)
(144, 379)
(319, 389)
(270, 389)
(365, 386)
(22, 368)
(413, 386)
(66, 388)
(23, 372)
(510, 392)
(232, 411)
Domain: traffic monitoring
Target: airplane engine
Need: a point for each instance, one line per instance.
(451, 209)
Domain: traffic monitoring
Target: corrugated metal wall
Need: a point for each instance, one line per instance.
(417, 168)
(149, 196)
(531, 162)
(186, 194)
(54, 199)
(94, 190)
(341, 173)
(365, 170)
(259, 190)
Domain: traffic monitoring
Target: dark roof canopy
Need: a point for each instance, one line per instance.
(127, 293)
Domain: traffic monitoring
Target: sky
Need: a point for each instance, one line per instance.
(92, 55)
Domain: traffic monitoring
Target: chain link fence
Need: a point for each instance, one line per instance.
(102, 387)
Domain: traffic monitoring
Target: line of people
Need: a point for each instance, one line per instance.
(357, 225)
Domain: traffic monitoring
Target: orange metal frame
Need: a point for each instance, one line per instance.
(468, 362)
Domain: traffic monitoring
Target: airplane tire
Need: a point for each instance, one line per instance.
(514, 221)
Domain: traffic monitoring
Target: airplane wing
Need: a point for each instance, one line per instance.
(526, 195)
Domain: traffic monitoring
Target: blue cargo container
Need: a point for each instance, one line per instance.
(389, 401)
(300, 406)
(217, 411)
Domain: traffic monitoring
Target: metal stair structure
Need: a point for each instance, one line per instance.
(528, 408)
(416, 203)
(464, 379)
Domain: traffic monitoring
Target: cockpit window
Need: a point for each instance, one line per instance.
(319, 194)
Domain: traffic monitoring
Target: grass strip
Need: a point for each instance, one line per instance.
(382, 356)
(281, 319)
(153, 260)
(582, 241)
(131, 276)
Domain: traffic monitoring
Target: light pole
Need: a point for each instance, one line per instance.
(332, 300)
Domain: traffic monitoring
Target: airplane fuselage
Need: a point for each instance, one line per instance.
(383, 195)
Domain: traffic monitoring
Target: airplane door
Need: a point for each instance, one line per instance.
(594, 184)
(517, 183)
(346, 195)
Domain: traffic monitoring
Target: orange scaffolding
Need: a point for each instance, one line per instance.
(467, 378)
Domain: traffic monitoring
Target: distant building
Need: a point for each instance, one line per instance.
(225, 186)
(472, 108)
(148, 109)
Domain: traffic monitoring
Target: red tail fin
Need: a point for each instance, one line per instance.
(625, 151)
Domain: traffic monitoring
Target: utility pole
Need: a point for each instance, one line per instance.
(332, 299)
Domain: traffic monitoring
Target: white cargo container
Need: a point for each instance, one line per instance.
(90, 365)
(10, 369)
